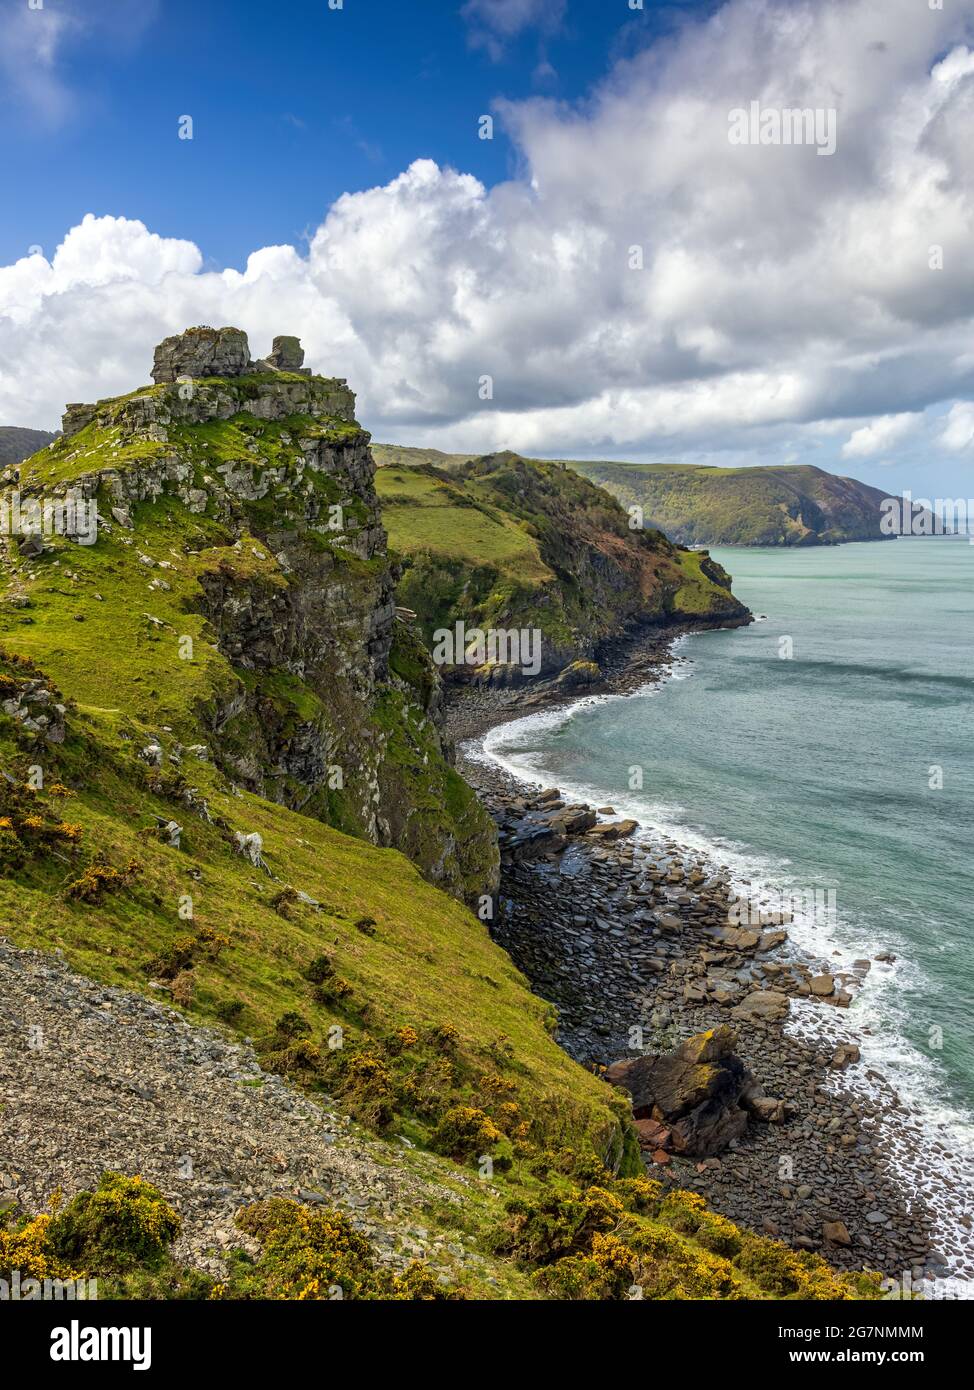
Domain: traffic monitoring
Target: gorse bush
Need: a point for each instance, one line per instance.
(29, 827)
(29, 1250)
(318, 1254)
(126, 1222)
(628, 1239)
(121, 1234)
(465, 1132)
(101, 877)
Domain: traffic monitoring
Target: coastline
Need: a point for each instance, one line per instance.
(624, 933)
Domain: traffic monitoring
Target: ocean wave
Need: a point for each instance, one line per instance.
(930, 1122)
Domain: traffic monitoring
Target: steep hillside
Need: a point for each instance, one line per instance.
(744, 506)
(177, 700)
(478, 1147)
(240, 595)
(17, 444)
(506, 542)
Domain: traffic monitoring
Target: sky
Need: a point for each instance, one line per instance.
(610, 275)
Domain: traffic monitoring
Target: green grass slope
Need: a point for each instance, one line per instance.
(163, 695)
(356, 977)
(508, 542)
(784, 506)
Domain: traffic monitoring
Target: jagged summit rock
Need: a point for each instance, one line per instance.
(216, 359)
(287, 355)
(221, 352)
(202, 352)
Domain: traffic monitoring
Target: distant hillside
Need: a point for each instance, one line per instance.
(17, 444)
(802, 505)
(503, 542)
(407, 456)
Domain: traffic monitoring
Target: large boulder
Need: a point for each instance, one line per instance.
(614, 830)
(696, 1091)
(287, 355)
(762, 1006)
(202, 352)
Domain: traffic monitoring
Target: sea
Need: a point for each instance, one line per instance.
(825, 756)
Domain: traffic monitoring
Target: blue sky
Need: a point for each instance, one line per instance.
(293, 104)
(633, 283)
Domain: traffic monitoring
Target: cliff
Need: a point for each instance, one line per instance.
(240, 593)
(215, 739)
(504, 542)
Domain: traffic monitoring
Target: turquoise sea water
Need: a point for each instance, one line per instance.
(821, 771)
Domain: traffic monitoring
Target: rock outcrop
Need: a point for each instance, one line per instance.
(202, 352)
(696, 1099)
(287, 355)
(298, 591)
(221, 352)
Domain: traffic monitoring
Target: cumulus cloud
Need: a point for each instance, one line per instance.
(879, 435)
(958, 432)
(641, 286)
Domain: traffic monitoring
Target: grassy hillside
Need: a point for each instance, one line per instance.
(409, 456)
(172, 701)
(222, 603)
(17, 443)
(508, 542)
(383, 991)
(743, 506)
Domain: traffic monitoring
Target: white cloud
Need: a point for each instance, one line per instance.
(29, 43)
(880, 435)
(786, 300)
(35, 41)
(958, 433)
(494, 22)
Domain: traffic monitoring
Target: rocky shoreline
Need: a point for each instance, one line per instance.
(630, 938)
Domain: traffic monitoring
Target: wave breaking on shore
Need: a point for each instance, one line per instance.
(928, 1141)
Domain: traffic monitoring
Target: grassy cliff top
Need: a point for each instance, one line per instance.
(504, 540)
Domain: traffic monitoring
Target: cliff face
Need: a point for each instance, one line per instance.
(745, 506)
(507, 542)
(239, 513)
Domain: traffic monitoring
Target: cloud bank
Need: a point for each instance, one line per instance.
(644, 288)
